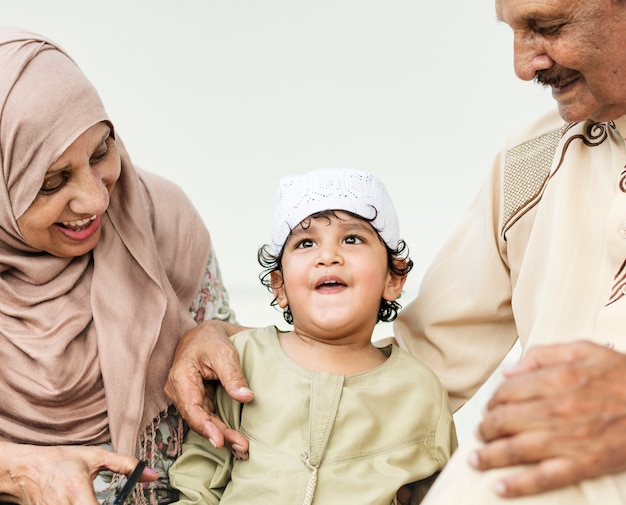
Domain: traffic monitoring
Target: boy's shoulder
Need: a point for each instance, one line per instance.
(254, 343)
(261, 335)
(411, 369)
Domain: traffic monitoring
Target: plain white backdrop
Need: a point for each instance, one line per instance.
(224, 97)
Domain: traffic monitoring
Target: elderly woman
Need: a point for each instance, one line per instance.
(103, 268)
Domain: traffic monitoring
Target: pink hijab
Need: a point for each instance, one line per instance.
(86, 342)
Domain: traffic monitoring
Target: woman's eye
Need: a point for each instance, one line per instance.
(101, 151)
(53, 183)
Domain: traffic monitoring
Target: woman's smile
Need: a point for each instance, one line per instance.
(81, 229)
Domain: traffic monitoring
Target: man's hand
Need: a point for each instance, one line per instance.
(562, 407)
(206, 353)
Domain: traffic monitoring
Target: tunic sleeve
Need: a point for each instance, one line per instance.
(202, 472)
(461, 323)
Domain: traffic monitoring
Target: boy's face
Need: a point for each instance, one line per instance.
(334, 274)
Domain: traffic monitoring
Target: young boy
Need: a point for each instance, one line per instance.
(334, 420)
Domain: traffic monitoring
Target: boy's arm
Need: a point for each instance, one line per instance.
(202, 471)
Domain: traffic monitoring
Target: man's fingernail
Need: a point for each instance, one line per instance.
(473, 459)
(500, 488)
(245, 391)
(212, 442)
(238, 452)
(240, 456)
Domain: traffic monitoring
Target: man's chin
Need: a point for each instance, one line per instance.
(570, 115)
(576, 112)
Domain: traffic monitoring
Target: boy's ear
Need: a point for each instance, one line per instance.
(278, 288)
(393, 287)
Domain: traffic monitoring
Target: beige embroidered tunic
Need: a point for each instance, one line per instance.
(540, 256)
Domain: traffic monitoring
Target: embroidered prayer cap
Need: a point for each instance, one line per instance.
(362, 193)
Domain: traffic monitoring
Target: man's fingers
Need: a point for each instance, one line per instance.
(552, 355)
(547, 476)
(203, 355)
(237, 442)
(210, 426)
(524, 448)
(225, 364)
(568, 415)
(552, 461)
(213, 428)
(549, 383)
(237, 388)
(561, 412)
(495, 427)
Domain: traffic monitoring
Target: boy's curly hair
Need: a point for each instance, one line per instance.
(398, 263)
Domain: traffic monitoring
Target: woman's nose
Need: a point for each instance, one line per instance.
(91, 194)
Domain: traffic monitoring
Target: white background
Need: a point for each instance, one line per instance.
(224, 97)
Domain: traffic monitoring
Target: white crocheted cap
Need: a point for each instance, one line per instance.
(299, 196)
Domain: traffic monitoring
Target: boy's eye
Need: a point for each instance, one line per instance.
(307, 242)
(53, 183)
(353, 239)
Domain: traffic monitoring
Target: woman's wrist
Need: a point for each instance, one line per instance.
(10, 469)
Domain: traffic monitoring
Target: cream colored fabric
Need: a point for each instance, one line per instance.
(85, 343)
(540, 255)
(333, 439)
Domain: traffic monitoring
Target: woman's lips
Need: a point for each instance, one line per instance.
(80, 229)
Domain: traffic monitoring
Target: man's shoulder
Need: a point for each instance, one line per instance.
(527, 163)
(545, 125)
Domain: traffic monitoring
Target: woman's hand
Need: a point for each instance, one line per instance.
(58, 475)
(563, 407)
(206, 353)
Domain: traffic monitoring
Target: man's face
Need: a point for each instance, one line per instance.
(577, 47)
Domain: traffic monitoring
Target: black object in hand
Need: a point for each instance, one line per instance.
(133, 478)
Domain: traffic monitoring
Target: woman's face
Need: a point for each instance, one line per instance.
(64, 218)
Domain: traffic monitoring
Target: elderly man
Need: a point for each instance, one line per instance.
(541, 256)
